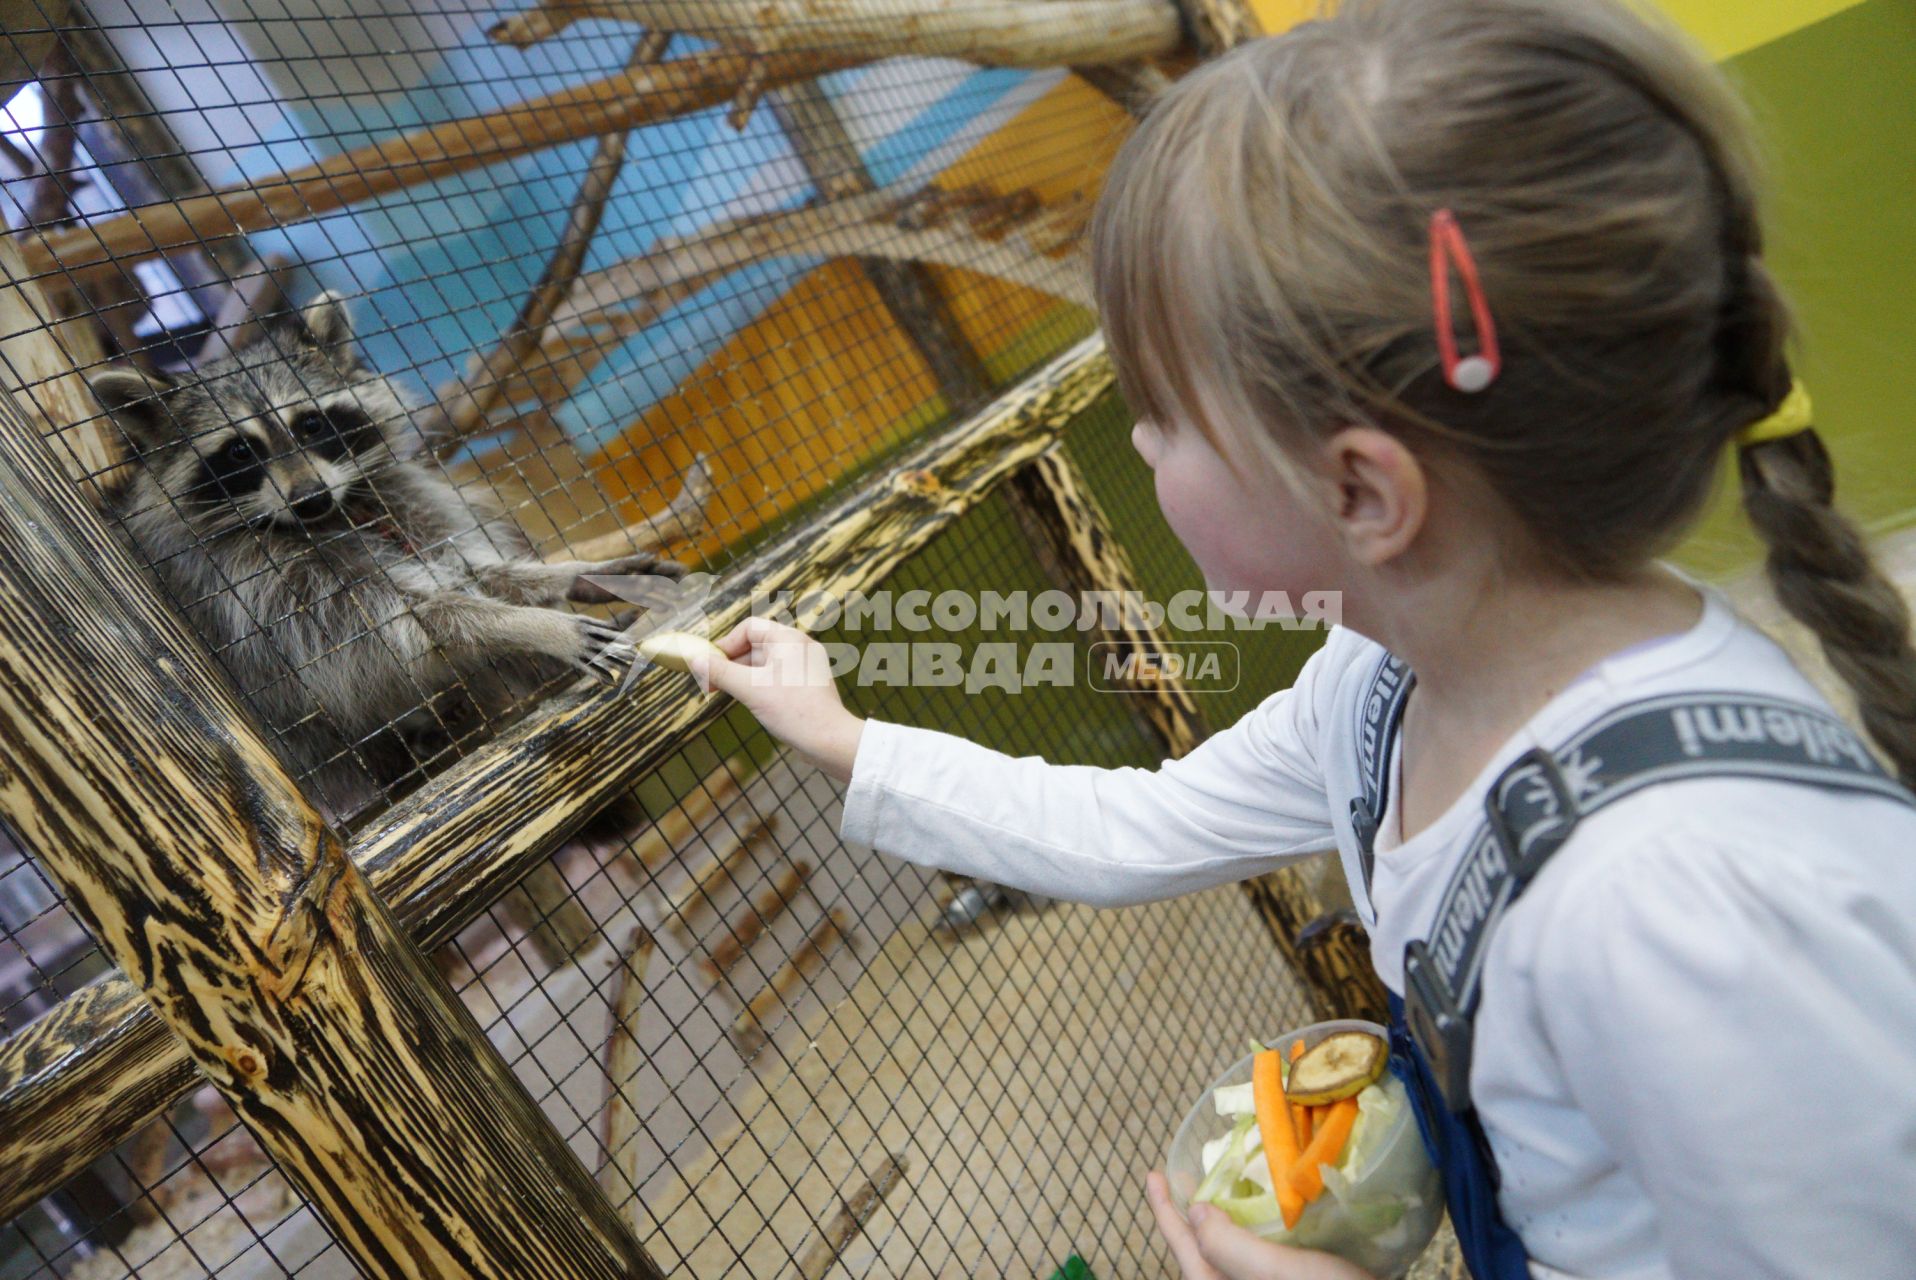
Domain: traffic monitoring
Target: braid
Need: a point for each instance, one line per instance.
(1819, 564)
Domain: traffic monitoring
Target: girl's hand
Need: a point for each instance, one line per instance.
(783, 677)
(1212, 1247)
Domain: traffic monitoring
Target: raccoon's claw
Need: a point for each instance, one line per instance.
(604, 650)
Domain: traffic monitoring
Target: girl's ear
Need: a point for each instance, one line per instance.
(137, 401)
(1379, 493)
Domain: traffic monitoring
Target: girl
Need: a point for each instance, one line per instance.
(1455, 306)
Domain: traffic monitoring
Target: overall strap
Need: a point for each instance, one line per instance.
(1536, 803)
(1381, 707)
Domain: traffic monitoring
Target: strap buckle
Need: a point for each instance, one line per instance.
(1531, 812)
(1438, 1025)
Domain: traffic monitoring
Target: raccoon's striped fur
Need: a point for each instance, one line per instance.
(371, 614)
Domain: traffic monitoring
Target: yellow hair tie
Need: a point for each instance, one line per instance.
(1792, 417)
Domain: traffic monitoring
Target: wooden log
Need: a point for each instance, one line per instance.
(1002, 33)
(661, 91)
(78, 1081)
(764, 909)
(854, 1211)
(449, 849)
(135, 778)
(618, 1162)
(693, 900)
(41, 361)
(749, 1032)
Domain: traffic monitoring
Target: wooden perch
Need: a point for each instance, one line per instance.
(993, 237)
(684, 519)
(1002, 33)
(854, 1211)
(767, 907)
(748, 1032)
(660, 91)
(695, 898)
(466, 400)
(618, 1163)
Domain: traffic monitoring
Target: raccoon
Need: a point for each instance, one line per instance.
(374, 617)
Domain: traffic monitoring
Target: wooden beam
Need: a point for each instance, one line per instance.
(449, 849)
(644, 95)
(134, 776)
(1002, 33)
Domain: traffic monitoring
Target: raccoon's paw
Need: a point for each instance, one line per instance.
(585, 591)
(603, 649)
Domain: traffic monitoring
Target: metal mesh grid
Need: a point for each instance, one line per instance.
(1018, 1075)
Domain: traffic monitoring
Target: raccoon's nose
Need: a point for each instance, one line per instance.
(312, 501)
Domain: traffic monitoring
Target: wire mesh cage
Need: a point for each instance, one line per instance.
(384, 339)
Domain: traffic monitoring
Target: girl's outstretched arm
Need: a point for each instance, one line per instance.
(1246, 800)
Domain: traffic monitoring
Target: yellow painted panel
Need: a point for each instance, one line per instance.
(1729, 27)
(767, 406)
(1282, 15)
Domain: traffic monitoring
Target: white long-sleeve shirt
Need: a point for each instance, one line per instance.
(1696, 1051)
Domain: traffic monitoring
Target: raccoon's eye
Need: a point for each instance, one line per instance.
(239, 452)
(333, 432)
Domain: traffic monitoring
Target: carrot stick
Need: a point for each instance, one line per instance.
(1326, 1146)
(1300, 1115)
(1274, 1128)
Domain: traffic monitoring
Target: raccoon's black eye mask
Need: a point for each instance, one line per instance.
(334, 433)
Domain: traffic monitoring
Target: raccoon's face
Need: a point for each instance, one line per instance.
(276, 435)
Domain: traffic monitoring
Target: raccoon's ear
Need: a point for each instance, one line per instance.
(137, 401)
(326, 319)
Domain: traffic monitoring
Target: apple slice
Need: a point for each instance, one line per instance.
(675, 649)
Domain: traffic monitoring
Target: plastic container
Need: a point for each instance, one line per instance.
(1379, 1216)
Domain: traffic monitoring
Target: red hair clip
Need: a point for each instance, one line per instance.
(1469, 374)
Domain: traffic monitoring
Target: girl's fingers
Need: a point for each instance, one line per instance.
(1238, 1254)
(1176, 1231)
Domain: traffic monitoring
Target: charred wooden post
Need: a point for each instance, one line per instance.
(1072, 539)
(136, 780)
(85, 1077)
(646, 95)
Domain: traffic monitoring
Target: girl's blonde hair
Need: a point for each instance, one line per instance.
(1260, 257)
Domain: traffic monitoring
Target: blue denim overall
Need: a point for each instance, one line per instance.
(1530, 813)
